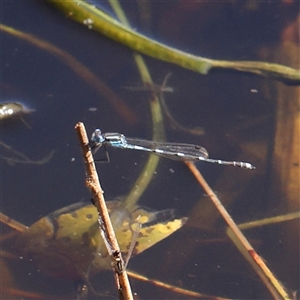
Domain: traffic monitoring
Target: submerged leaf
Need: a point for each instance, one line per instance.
(67, 243)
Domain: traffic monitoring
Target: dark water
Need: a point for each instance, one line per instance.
(236, 111)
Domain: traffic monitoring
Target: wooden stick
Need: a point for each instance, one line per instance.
(274, 286)
(106, 227)
(173, 288)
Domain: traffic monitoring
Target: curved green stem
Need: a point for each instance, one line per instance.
(98, 20)
(148, 171)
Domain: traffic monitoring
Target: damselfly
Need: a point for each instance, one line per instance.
(175, 151)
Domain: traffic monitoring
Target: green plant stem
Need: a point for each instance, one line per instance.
(98, 20)
(148, 171)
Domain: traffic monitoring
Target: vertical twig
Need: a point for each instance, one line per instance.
(106, 227)
(274, 286)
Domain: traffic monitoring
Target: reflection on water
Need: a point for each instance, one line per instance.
(9, 110)
(239, 124)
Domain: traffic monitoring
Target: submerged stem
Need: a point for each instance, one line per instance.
(99, 21)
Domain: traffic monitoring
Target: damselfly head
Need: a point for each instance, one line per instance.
(96, 140)
(97, 136)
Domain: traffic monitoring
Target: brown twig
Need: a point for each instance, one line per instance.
(274, 286)
(173, 288)
(106, 227)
